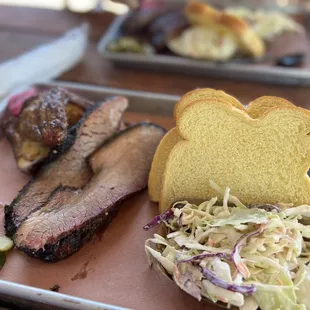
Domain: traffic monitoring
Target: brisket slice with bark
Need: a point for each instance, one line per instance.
(70, 217)
(67, 163)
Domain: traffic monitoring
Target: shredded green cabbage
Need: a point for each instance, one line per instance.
(258, 258)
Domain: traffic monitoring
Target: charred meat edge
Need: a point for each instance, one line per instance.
(10, 224)
(11, 124)
(69, 244)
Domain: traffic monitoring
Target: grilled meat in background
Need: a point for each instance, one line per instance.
(155, 27)
(41, 124)
(151, 30)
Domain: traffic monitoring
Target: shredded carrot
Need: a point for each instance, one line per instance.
(211, 242)
(279, 281)
(262, 227)
(177, 274)
(244, 269)
(222, 299)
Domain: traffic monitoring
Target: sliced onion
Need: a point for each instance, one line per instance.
(266, 207)
(200, 257)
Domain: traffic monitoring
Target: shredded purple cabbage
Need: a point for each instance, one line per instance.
(239, 244)
(200, 257)
(243, 289)
(167, 215)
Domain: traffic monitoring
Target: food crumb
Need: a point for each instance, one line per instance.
(55, 288)
(82, 274)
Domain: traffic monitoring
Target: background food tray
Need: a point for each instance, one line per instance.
(238, 71)
(112, 268)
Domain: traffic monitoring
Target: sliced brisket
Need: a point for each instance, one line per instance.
(68, 166)
(70, 217)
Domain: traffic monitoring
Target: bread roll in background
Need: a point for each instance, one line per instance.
(202, 14)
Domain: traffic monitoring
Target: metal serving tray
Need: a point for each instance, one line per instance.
(19, 296)
(143, 105)
(237, 71)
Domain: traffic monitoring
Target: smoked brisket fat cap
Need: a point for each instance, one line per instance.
(70, 217)
(262, 154)
(46, 118)
(67, 163)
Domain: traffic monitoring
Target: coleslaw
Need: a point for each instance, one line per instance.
(245, 256)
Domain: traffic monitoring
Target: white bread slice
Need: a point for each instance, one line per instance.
(172, 137)
(159, 162)
(263, 160)
(254, 109)
(204, 93)
(203, 14)
(261, 105)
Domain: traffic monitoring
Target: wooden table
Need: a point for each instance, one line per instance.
(24, 28)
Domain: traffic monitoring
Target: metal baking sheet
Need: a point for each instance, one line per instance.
(236, 71)
(15, 295)
(156, 103)
(25, 282)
